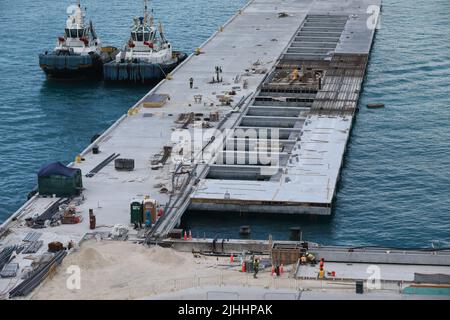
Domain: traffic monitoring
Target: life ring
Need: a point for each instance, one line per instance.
(150, 44)
(84, 40)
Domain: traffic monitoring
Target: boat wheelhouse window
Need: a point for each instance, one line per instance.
(140, 36)
(75, 33)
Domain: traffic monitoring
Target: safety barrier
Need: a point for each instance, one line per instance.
(138, 290)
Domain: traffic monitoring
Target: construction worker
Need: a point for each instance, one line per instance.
(321, 274)
(303, 260)
(322, 262)
(255, 267)
(191, 82)
(294, 74)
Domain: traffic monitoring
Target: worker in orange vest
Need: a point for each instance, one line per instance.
(303, 260)
(322, 262)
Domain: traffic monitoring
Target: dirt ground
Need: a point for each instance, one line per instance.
(123, 270)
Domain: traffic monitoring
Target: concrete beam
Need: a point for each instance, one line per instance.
(239, 206)
(278, 133)
(242, 172)
(270, 121)
(333, 34)
(305, 56)
(306, 44)
(287, 91)
(232, 157)
(309, 50)
(314, 28)
(275, 111)
(316, 39)
(300, 106)
(253, 142)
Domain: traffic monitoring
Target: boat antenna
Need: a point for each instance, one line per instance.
(145, 12)
(161, 32)
(91, 27)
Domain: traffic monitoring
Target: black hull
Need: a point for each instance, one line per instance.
(66, 66)
(136, 72)
(85, 72)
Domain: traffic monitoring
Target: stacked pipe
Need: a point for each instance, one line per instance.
(28, 285)
(5, 255)
(50, 212)
(102, 164)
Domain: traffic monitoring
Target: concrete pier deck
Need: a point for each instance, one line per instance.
(301, 125)
(269, 136)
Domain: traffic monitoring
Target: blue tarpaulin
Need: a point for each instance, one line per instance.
(57, 169)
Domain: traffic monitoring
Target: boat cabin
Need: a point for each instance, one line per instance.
(142, 32)
(76, 33)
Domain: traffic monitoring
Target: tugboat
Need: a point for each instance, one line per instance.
(78, 53)
(146, 57)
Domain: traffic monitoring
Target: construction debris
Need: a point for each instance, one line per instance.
(55, 246)
(119, 232)
(35, 278)
(70, 216)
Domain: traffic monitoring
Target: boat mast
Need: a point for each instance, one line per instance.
(146, 15)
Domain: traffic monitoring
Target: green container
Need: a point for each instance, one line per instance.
(136, 212)
(61, 186)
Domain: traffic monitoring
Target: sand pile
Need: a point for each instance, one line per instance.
(164, 256)
(124, 270)
(88, 259)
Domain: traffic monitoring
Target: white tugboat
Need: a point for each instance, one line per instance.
(78, 53)
(147, 56)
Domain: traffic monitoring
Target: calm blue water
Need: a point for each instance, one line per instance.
(395, 187)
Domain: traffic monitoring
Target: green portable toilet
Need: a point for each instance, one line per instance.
(60, 180)
(136, 212)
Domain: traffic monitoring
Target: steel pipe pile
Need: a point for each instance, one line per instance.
(28, 285)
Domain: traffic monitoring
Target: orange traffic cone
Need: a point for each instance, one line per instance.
(281, 269)
(185, 235)
(243, 267)
(231, 258)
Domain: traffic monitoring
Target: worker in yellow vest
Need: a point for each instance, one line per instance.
(321, 273)
(294, 74)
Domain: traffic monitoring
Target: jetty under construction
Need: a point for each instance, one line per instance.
(257, 120)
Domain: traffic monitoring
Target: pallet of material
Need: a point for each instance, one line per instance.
(33, 247)
(155, 100)
(10, 270)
